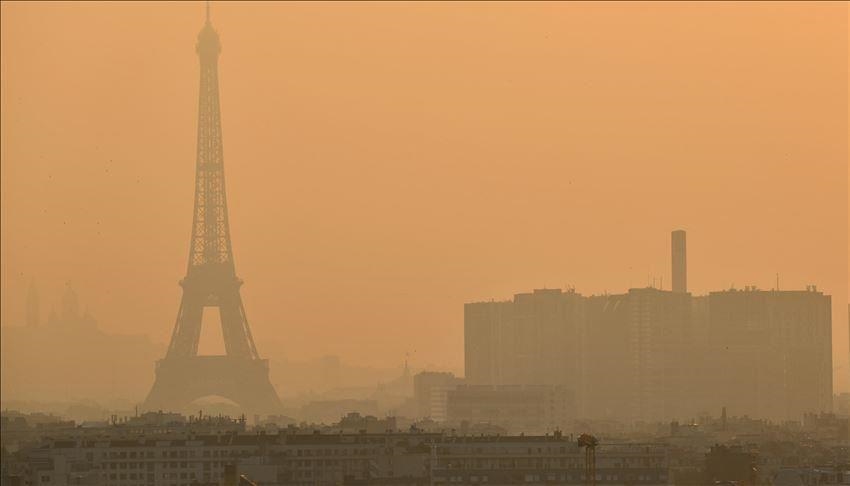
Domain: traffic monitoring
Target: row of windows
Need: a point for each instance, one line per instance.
(536, 478)
(334, 452)
(124, 455)
(169, 464)
(326, 462)
(131, 476)
(170, 454)
(508, 463)
(504, 451)
(153, 477)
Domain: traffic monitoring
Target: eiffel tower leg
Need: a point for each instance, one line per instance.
(181, 381)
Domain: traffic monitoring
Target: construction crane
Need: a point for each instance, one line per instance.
(589, 443)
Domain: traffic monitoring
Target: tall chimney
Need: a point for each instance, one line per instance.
(680, 261)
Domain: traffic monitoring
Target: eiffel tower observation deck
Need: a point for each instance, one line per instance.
(211, 282)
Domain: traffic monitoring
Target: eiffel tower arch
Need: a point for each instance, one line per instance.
(182, 375)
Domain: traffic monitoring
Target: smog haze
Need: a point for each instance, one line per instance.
(389, 162)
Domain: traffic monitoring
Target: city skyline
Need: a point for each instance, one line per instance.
(376, 238)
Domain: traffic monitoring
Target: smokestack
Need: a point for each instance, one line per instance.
(680, 261)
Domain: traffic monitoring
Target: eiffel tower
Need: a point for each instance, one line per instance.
(240, 375)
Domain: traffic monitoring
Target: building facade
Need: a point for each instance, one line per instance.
(772, 352)
(653, 355)
(517, 408)
(430, 393)
(304, 458)
(535, 339)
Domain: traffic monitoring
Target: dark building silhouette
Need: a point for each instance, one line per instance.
(211, 281)
(730, 465)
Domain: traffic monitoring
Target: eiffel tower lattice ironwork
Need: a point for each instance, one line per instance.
(211, 281)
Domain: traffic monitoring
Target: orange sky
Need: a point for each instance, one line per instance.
(388, 162)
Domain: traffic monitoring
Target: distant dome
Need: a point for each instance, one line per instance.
(70, 304)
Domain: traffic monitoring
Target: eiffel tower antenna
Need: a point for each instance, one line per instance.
(208, 11)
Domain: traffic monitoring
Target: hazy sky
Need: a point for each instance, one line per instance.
(388, 162)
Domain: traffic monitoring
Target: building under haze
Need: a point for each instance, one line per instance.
(658, 356)
(430, 393)
(516, 408)
(535, 339)
(622, 353)
(771, 351)
(654, 355)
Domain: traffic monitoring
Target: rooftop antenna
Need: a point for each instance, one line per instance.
(777, 281)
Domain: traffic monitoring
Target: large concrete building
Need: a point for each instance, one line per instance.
(772, 351)
(430, 393)
(536, 339)
(655, 355)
